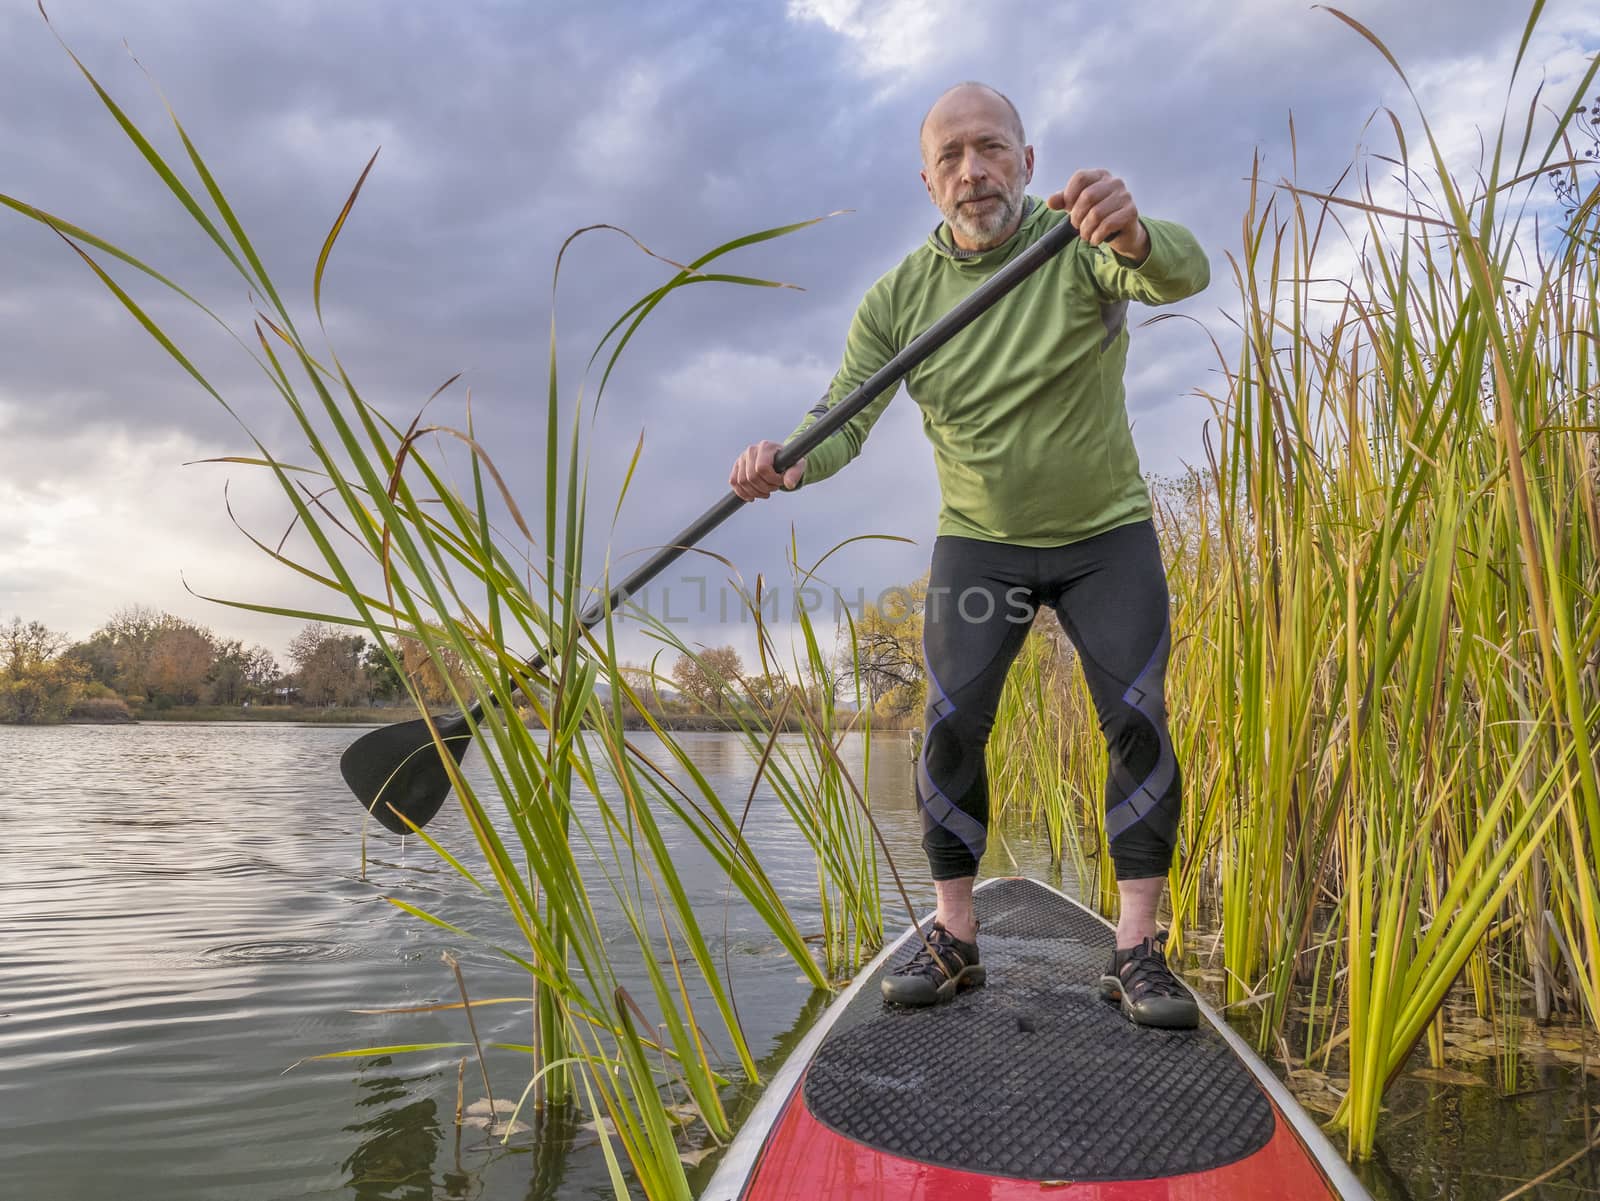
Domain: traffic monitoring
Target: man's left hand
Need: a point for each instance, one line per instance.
(1102, 210)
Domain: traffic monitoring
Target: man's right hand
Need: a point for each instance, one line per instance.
(753, 477)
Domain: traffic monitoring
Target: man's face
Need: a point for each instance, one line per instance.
(975, 167)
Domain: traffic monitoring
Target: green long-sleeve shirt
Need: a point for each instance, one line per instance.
(1025, 407)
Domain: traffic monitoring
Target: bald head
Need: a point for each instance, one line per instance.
(976, 164)
(965, 95)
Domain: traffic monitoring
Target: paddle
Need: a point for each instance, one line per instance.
(398, 770)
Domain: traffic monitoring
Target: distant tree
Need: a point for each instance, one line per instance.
(429, 672)
(37, 684)
(888, 646)
(23, 646)
(383, 681)
(238, 674)
(705, 675)
(131, 634)
(640, 678)
(767, 692)
(812, 696)
(179, 663)
(329, 665)
(225, 681)
(645, 685)
(98, 658)
(148, 655)
(261, 672)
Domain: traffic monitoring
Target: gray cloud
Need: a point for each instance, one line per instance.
(504, 127)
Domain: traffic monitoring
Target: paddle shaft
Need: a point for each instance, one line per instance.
(924, 344)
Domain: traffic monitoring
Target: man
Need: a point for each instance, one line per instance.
(1042, 503)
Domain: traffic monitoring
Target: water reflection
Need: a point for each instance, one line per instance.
(1473, 1144)
(394, 1159)
(412, 1150)
(713, 754)
(555, 1137)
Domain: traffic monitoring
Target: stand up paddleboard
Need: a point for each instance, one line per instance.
(1030, 1087)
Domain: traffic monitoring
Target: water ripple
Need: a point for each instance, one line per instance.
(184, 925)
(267, 951)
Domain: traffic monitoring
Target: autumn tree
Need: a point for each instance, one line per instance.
(329, 665)
(23, 646)
(703, 677)
(429, 672)
(645, 683)
(37, 684)
(238, 675)
(97, 658)
(178, 662)
(767, 692)
(639, 677)
(888, 647)
(127, 644)
(148, 655)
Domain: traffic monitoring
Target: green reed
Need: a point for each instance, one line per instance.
(829, 808)
(1385, 684)
(576, 810)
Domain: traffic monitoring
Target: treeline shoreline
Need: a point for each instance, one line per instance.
(145, 665)
(376, 716)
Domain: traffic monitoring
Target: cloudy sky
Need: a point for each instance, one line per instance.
(503, 127)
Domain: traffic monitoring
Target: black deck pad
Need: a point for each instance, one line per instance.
(1033, 1076)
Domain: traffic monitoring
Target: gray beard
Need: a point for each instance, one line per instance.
(984, 232)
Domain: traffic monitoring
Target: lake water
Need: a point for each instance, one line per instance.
(183, 919)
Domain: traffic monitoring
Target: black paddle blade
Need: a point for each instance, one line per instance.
(399, 768)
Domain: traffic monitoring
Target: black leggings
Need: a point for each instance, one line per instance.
(1110, 595)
